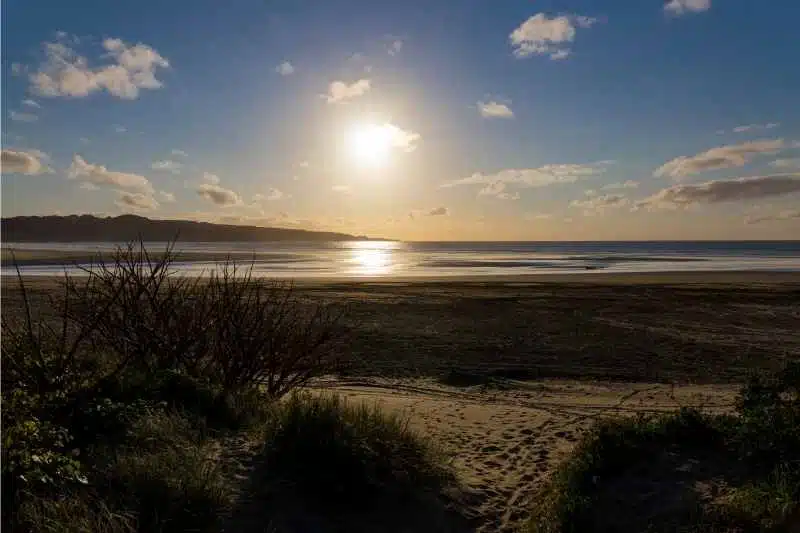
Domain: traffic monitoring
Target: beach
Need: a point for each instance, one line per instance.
(505, 374)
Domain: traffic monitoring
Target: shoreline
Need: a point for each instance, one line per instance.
(696, 277)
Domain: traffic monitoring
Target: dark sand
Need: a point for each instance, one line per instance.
(660, 327)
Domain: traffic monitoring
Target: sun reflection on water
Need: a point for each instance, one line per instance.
(372, 258)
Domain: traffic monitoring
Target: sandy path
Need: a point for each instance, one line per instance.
(504, 442)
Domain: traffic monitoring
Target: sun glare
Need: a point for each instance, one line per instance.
(370, 144)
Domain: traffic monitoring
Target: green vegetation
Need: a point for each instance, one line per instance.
(686, 471)
(117, 393)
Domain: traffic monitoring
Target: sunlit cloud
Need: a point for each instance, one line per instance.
(680, 7)
(213, 179)
(218, 195)
(65, 73)
(595, 204)
(532, 177)
(136, 201)
(341, 188)
(542, 35)
(718, 191)
(339, 91)
(721, 157)
(27, 162)
(492, 109)
(100, 175)
(285, 69)
(498, 190)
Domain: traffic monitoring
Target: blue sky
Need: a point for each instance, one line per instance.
(426, 120)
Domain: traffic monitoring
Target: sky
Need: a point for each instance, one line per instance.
(415, 120)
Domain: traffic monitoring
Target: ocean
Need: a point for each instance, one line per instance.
(376, 259)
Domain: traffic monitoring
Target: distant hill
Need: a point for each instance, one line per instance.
(89, 228)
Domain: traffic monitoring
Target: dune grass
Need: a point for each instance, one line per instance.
(685, 471)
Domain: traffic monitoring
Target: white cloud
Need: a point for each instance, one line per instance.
(285, 69)
(28, 162)
(786, 163)
(533, 177)
(395, 47)
(213, 179)
(494, 109)
(630, 184)
(19, 116)
(542, 35)
(339, 91)
(218, 195)
(179, 153)
(136, 201)
(434, 212)
(600, 203)
(721, 157)
(718, 191)
(498, 190)
(120, 129)
(304, 164)
(679, 7)
(166, 196)
(754, 127)
(789, 214)
(100, 175)
(272, 195)
(167, 165)
(84, 140)
(65, 73)
(31, 103)
(399, 138)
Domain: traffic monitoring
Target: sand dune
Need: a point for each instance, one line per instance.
(505, 439)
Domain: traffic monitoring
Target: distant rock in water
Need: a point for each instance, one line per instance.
(88, 228)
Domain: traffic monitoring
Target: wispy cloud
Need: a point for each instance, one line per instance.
(31, 103)
(434, 212)
(531, 177)
(341, 188)
(339, 91)
(20, 116)
(119, 128)
(285, 69)
(28, 162)
(755, 127)
(395, 46)
(167, 165)
(786, 163)
(600, 203)
(65, 73)
(271, 195)
(680, 7)
(179, 153)
(537, 216)
(213, 179)
(498, 190)
(543, 35)
(718, 191)
(167, 197)
(721, 157)
(630, 184)
(100, 175)
(493, 109)
(788, 214)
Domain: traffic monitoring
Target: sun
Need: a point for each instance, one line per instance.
(370, 145)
